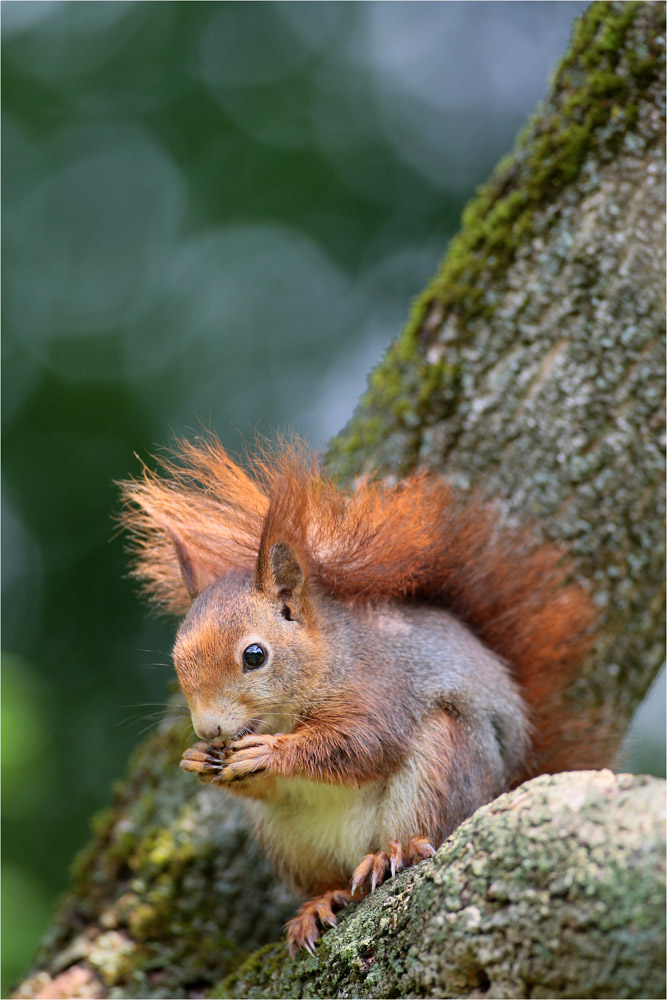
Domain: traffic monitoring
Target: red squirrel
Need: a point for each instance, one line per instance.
(364, 668)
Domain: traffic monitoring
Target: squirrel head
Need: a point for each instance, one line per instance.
(243, 649)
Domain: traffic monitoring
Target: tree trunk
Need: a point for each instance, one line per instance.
(532, 366)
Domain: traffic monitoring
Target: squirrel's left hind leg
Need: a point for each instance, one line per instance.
(303, 930)
(373, 868)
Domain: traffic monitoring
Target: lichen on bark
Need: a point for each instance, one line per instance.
(532, 366)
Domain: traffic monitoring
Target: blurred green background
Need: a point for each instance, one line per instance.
(215, 212)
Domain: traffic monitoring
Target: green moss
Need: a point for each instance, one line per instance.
(161, 851)
(592, 106)
(262, 966)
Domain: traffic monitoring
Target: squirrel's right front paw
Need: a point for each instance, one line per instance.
(205, 759)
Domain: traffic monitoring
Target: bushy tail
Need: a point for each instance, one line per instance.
(417, 539)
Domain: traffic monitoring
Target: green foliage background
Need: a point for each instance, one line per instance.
(213, 212)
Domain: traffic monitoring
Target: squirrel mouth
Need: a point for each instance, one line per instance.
(250, 728)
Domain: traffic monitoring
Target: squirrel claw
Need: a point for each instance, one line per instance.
(303, 930)
(419, 849)
(361, 872)
(396, 859)
(370, 871)
(373, 868)
(204, 759)
(379, 869)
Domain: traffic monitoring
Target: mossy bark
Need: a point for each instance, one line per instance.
(532, 366)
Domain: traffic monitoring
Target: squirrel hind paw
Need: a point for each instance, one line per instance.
(418, 849)
(370, 871)
(303, 930)
(373, 869)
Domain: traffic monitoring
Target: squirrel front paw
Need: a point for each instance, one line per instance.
(206, 760)
(244, 758)
(253, 754)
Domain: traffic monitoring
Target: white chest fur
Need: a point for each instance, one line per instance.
(334, 823)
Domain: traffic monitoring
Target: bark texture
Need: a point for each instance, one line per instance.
(533, 366)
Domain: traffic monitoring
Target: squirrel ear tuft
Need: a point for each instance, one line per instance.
(196, 574)
(285, 569)
(283, 578)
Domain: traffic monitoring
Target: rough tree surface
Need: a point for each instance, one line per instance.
(533, 366)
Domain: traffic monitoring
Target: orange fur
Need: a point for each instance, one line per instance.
(416, 540)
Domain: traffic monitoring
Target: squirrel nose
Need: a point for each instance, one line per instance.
(206, 729)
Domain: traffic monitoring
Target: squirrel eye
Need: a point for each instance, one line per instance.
(253, 656)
